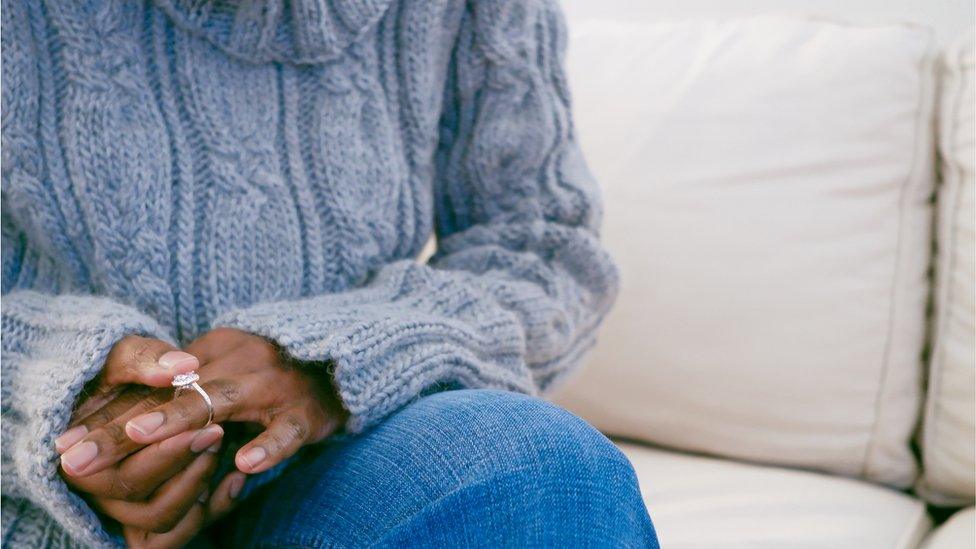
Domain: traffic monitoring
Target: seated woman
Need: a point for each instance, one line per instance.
(230, 197)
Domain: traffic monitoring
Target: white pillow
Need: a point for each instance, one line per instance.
(948, 438)
(766, 184)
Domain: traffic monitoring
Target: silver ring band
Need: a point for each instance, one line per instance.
(186, 382)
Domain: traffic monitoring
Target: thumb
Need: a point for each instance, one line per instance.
(146, 361)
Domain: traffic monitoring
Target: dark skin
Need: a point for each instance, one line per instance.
(146, 460)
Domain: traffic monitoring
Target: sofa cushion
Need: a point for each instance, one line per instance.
(767, 186)
(956, 533)
(948, 433)
(698, 502)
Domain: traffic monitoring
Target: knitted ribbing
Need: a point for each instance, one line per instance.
(275, 166)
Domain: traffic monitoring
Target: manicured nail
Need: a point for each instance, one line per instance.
(254, 457)
(204, 496)
(206, 438)
(179, 361)
(69, 438)
(235, 486)
(78, 457)
(146, 423)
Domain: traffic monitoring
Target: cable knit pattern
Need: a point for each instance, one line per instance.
(276, 166)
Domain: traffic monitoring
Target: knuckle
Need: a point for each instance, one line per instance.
(102, 416)
(182, 411)
(138, 351)
(153, 399)
(267, 416)
(122, 488)
(297, 427)
(115, 432)
(136, 539)
(274, 442)
(261, 350)
(125, 345)
(162, 520)
(225, 391)
(120, 356)
(146, 350)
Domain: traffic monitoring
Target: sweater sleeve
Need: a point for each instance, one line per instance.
(520, 282)
(51, 346)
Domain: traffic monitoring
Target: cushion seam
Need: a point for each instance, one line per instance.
(926, 95)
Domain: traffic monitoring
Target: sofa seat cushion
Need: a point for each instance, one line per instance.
(698, 501)
(956, 533)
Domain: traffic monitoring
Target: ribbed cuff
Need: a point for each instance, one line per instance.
(411, 329)
(52, 347)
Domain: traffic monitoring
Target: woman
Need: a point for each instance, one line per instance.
(240, 189)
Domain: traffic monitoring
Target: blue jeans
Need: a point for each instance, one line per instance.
(467, 468)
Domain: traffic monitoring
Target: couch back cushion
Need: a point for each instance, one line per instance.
(767, 186)
(948, 433)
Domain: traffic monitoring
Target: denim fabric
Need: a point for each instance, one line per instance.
(468, 468)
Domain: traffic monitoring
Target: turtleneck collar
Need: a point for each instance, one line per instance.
(289, 31)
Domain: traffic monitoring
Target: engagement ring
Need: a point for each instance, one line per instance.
(188, 382)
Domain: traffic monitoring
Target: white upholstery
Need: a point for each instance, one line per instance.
(766, 184)
(949, 430)
(959, 532)
(707, 503)
(948, 18)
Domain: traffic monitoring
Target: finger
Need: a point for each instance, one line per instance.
(190, 411)
(127, 404)
(223, 342)
(170, 503)
(106, 443)
(139, 475)
(181, 534)
(288, 431)
(146, 361)
(157, 463)
(97, 451)
(226, 496)
(93, 399)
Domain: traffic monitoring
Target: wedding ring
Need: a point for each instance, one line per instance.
(188, 382)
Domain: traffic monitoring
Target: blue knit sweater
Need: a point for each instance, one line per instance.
(171, 166)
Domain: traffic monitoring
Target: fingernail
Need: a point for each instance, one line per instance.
(147, 423)
(178, 360)
(206, 438)
(235, 487)
(215, 448)
(254, 456)
(204, 496)
(79, 456)
(69, 438)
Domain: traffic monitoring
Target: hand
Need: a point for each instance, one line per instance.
(202, 512)
(157, 488)
(134, 360)
(248, 380)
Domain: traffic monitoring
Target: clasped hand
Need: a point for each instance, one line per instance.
(146, 460)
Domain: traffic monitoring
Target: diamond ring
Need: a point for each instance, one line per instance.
(188, 382)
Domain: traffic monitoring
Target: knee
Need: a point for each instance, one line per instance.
(539, 468)
(504, 431)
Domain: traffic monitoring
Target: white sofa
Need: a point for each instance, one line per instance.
(789, 364)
